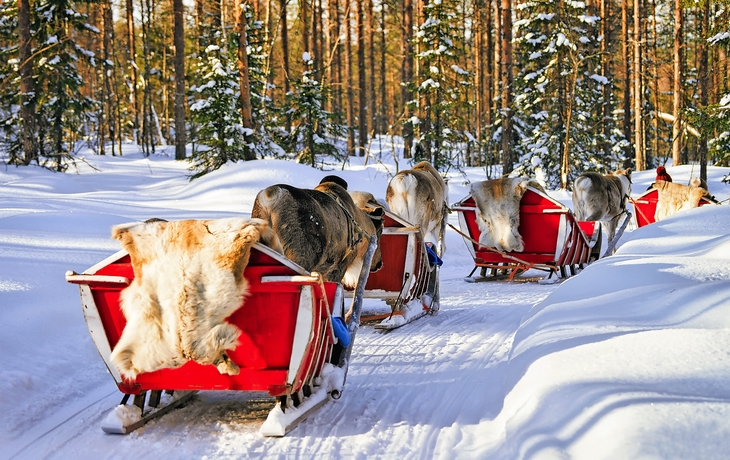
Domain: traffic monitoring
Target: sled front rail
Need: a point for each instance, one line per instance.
(553, 239)
(285, 320)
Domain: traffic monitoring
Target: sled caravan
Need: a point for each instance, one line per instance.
(259, 304)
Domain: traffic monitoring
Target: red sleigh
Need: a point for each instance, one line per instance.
(554, 241)
(287, 348)
(645, 206)
(404, 277)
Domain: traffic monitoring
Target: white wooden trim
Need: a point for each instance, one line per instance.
(338, 307)
(289, 279)
(72, 277)
(281, 258)
(410, 264)
(465, 228)
(96, 329)
(563, 235)
(98, 266)
(302, 332)
(399, 230)
(555, 211)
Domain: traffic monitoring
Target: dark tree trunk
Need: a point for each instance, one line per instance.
(639, 157)
(704, 83)
(362, 121)
(478, 78)
(627, 75)
(407, 75)
(606, 72)
(372, 112)
(179, 40)
(285, 53)
(677, 87)
(507, 160)
(132, 47)
(384, 118)
(245, 98)
(27, 90)
(350, 96)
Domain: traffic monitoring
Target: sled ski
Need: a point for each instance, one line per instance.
(126, 418)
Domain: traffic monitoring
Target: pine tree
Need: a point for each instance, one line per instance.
(313, 128)
(443, 85)
(216, 113)
(559, 91)
(62, 113)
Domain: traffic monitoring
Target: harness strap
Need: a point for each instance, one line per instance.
(355, 232)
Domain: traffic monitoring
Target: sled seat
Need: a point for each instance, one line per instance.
(404, 271)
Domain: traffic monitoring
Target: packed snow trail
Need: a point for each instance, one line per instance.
(403, 390)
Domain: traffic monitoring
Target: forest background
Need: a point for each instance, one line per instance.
(548, 88)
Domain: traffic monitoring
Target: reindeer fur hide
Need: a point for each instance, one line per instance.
(188, 278)
(673, 197)
(498, 211)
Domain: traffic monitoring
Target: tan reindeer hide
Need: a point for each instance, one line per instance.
(673, 197)
(498, 211)
(188, 278)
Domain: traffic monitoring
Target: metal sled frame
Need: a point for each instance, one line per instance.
(286, 323)
(554, 240)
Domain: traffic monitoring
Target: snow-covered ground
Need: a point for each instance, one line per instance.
(629, 359)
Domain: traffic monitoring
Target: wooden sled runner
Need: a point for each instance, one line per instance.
(407, 282)
(287, 348)
(645, 207)
(554, 241)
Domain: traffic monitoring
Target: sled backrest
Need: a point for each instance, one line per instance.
(402, 253)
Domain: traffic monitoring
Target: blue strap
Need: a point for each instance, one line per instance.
(433, 258)
(341, 332)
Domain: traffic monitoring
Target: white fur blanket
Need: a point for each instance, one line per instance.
(188, 278)
(673, 197)
(498, 211)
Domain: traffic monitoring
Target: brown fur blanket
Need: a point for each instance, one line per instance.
(188, 278)
(673, 197)
(498, 211)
